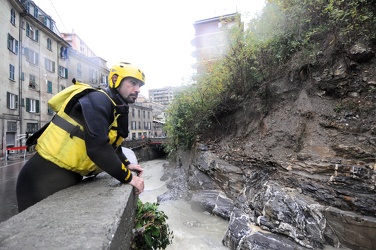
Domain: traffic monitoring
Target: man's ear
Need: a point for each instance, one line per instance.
(114, 78)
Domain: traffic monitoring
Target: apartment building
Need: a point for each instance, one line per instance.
(158, 116)
(210, 39)
(163, 96)
(36, 64)
(32, 68)
(141, 120)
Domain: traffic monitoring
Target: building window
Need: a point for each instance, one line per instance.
(32, 81)
(48, 23)
(133, 125)
(139, 125)
(79, 70)
(32, 57)
(32, 105)
(49, 44)
(50, 111)
(12, 101)
(11, 126)
(12, 44)
(49, 87)
(13, 16)
(49, 65)
(32, 127)
(12, 72)
(93, 76)
(63, 52)
(36, 12)
(31, 32)
(133, 114)
(103, 80)
(148, 114)
(139, 113)
(63, 72)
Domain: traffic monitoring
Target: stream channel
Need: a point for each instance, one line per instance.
(192, 230)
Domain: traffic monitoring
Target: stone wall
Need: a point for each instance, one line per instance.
(95, 214)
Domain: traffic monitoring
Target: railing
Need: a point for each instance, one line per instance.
(134, 144)
(24, 148)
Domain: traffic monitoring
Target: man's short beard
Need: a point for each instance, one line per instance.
(129, 99)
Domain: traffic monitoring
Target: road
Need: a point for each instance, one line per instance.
(8, 178)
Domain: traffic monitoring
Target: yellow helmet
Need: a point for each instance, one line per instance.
(124, 70)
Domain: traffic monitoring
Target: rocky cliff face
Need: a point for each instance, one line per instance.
(294, 168)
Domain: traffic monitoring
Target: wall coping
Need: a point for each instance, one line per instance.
(95, 214)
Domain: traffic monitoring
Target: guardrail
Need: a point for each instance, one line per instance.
(24, 148)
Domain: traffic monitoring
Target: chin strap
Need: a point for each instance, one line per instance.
(121, 111)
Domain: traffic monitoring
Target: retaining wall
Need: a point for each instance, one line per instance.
(95, 214)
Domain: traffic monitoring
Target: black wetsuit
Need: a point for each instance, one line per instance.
(40, 178)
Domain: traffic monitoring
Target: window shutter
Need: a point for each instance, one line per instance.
(36, 106)
(16, 99)
(9, 41)
(27, 104)
(8, 100)
(27, 29)
(37, 35)
(66, 73)
(16, 49)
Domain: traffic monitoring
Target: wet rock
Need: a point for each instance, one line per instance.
(360, 53)
(243, 234)
(214, 202)
(350, 229)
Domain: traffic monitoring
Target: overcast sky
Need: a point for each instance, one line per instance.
(155, 35)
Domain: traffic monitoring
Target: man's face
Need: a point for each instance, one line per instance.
(129, 89)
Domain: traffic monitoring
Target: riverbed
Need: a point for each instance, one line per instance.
(191, 229)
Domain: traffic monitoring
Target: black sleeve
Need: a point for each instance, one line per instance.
(122, 156)
(98, 114)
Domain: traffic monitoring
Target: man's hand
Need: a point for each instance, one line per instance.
(137, 168)
(138, 183)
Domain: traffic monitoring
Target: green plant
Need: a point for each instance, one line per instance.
(151, 230)
(288, 33)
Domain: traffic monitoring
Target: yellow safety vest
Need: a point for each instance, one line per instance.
(62, 142)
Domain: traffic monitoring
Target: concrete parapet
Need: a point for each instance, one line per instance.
(95, 214)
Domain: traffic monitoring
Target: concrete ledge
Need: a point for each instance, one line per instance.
(95, 214)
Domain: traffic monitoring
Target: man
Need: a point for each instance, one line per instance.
(83, 138)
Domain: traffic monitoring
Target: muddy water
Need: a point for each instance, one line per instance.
(192, 230)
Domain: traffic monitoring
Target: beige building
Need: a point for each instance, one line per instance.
(158, 117)
(84, 65)
(36, 64)
(32, 69)
(163, 96)
(140, 121)
(210, 40)
(90, 70)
